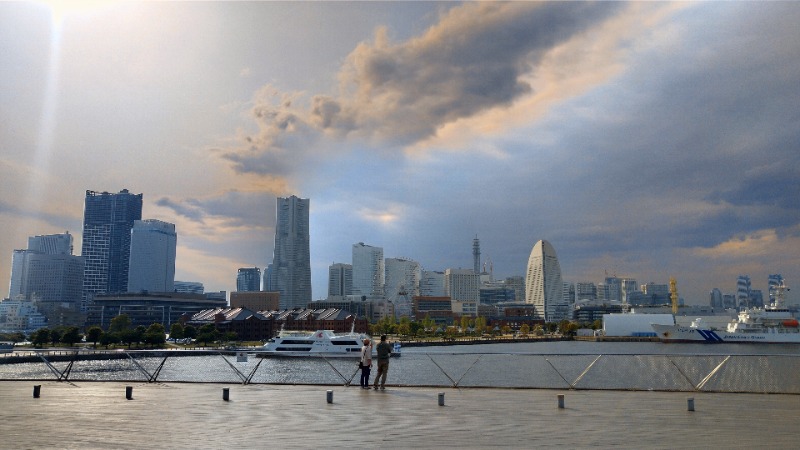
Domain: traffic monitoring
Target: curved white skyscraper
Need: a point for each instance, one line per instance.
(543, 286)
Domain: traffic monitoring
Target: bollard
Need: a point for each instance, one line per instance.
(560, 401)
(441, 398)
(36, 389)
(225, 394)
(330, 396)
(690, 404)
(129, 392)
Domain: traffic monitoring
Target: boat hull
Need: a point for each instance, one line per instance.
(678, 333)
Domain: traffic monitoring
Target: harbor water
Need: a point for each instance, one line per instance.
(545, 365)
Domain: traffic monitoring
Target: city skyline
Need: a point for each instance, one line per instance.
(634, 137)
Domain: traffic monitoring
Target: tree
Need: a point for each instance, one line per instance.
(71, 336)
(189, 332)
(231, 336)
(428, 324)
(155, 335)
(176, 331)
(40, 337)
(525, 329)
(55, 336)
(506, 329)
(597, 324)
(464, 324)
(119, 324)
(93, 334)
(107, 339)
(207, 333)
(480, 324)
(404, 328)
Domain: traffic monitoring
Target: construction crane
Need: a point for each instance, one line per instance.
(673, 294)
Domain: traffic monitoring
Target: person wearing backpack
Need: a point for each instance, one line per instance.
(384, 350)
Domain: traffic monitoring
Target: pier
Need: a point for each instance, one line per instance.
(192, 415)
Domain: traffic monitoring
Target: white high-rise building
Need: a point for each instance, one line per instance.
(432, 284)
(462, 285)
(152, 256)
(402, 284)
(340, 280)
(368, 270)
(543, 285)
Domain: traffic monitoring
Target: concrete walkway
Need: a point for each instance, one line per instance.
(169, 416)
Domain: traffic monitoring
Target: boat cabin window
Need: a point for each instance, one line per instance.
(344, 342)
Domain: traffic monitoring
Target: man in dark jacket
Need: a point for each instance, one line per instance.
(384, 350)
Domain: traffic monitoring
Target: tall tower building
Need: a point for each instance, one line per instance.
(774, 285)
(291, 263)
(152, 260)
(715, 298)
(743, 291)
(248, 279)
(476, 255)
(543, 285)
(340, 280)
(368, 270)
(106, 249)
(402, 284)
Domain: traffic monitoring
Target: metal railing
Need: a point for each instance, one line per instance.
(690, 373)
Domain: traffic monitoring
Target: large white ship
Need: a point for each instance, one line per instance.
(771, 324)
(320, 343)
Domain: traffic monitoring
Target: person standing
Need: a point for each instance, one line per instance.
(384, 352)
(366, 363)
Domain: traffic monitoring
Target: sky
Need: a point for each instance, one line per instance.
(646, 140)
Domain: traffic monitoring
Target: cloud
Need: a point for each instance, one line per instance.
(395, 94)
(228, 209)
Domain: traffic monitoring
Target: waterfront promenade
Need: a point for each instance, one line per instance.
(97, 415)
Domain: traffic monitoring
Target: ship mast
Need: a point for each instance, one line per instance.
(673, 294)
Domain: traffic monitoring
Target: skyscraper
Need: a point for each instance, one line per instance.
(402, 283)
(543, 285)
(340, 280)
(291, 263)
(47, 270)
(248, 279)
(368, 270)
(431, 284)
(743, 291)
(107, 222)
(775, 284)
(152, 260)
(48, 274)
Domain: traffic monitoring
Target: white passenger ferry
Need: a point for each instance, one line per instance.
(320, 343)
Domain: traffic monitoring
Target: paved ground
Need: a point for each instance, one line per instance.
(177, 415)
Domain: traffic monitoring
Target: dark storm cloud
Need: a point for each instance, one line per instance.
(473, 60)
(234, 208)
(186, 210)
(699, 145)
